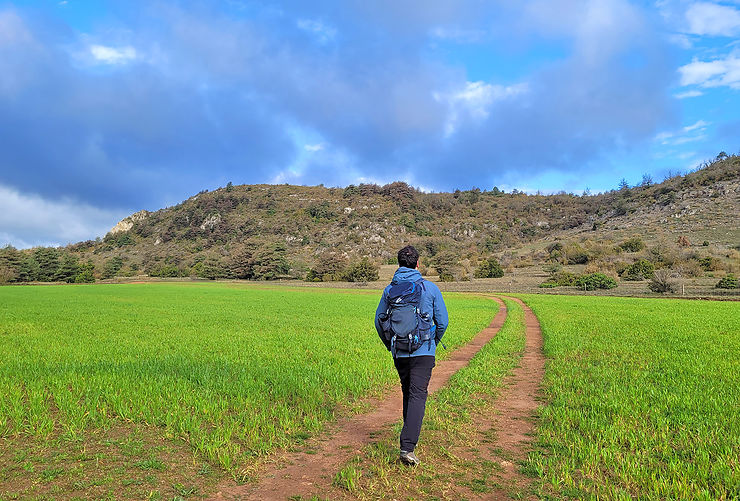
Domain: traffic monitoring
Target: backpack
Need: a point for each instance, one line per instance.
(405, 327)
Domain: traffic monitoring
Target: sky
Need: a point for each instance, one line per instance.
(107, 108)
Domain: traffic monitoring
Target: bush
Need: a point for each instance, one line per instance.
(664, 280)
(547, 285)
(489, 268)
(728, 282)
(362, 271)
(593, 281)
(632, 245)
(562, 278)
(330, 266)
(710, 263)
(640, 270)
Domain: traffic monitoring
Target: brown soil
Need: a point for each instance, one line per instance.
(308, 474)
(513, 426)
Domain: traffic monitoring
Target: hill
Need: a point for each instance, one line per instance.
(274, 231)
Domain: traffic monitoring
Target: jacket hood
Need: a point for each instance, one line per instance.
(404, 274)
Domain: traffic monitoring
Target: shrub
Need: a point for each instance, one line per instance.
(563, 278)
(683, 241)
(489, 268)
(593, 281)
(547, 285)
(640, 270)
(446, 276)
(330, 266)
(576, 254)
(710, 263)
(728, 282)
(551, 268)
(634, 244)
(664, 280)
(362, 271)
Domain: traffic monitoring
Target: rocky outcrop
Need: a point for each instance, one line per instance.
(127, 223)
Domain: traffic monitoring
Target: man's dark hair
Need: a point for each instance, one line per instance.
(408, 257)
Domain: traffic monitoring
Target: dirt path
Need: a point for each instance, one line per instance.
(304, 474)
(513, 426)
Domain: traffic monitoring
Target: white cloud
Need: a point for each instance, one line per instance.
(701, 125)
(323, 33)
(113, 55)
(457, 34)
(708, 18)
(474, 101)
(28, 220)
(313, 147)
(688, 93)
(717, 73)
(688, 134)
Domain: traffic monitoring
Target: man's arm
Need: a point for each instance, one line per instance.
(440, 315)
(382, 308)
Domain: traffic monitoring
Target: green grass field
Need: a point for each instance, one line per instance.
(162, 390)
(233, 371)
(644, 398)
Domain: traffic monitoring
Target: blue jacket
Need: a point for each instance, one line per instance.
(431, 302)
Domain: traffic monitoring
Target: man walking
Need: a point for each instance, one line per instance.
(411, 320)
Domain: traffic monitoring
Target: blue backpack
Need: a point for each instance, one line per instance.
(405, 327)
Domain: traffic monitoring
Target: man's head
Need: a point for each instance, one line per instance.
(408, 257)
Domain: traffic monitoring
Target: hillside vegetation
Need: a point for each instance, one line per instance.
(687, 223)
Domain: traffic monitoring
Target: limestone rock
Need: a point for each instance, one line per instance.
(127, 223)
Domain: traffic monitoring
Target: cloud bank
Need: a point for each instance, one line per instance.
(172, 98)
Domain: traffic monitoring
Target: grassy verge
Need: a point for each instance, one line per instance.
(196, 373)
(455, 445)
(644, 398)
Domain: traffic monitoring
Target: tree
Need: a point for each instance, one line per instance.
(10, 262)
(329, 267)
(270, 262)
(29, 270)
(68, 269)
(489, 268)
(241, 263)
(48, 261)
(362, 271)
(212, 268)
(446, 263)
(86, 274)
(623, 185)
(112, 267)
(647, 180)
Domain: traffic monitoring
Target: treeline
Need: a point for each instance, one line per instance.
(250, 261)
(43, 264)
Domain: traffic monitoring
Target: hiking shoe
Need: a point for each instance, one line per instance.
(409, 458)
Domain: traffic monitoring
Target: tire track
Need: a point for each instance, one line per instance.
(514, 424)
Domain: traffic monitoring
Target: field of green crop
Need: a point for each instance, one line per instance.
(233, 370)
(644, 398)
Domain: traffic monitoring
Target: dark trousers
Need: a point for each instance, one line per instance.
(414, 373)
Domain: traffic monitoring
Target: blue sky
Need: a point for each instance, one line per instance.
(110, 107)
